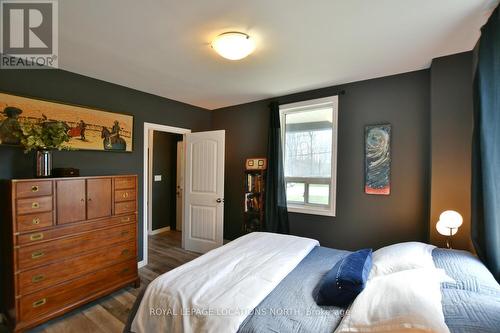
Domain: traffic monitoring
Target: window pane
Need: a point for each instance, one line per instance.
(308, 143)
(295, 192)
(319, 193)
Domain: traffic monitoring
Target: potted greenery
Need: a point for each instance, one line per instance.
(43, 137)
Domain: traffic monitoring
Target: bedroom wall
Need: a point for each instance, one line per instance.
(451, 143)
(362, 220)
(63, 86)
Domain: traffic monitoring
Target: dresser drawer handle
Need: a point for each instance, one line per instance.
(36, 221)
(35, 237)
(125, 195)
(126, 219)
(126, 270)
(34, 188)
(40, 302)
(37, 278)
(35, 205)
(124, 233)
(125, 252)
(37, 254)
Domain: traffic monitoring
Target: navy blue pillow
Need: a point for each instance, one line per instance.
(346, 279)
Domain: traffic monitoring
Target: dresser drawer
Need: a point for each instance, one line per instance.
(122, 183)
(34, 221)
(124, 195)
(73, 228)
(52, 274)
(33, 189)
(124, 207)
(57, 250)
(53, 299)
(34, 205)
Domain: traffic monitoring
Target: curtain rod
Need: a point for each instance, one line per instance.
(338, 93)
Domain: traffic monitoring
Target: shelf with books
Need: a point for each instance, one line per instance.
(254, 200)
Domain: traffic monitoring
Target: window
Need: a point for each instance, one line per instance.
(309, 136)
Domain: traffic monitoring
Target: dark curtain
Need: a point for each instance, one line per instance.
(276, 213)
(486, 148)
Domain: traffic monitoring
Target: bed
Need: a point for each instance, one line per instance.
(470, 299)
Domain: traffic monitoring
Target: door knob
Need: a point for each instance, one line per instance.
(219, 200)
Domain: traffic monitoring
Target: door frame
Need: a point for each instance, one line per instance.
(147, 180)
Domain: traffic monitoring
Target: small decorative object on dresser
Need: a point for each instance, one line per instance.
(255, 177)
(64, 243)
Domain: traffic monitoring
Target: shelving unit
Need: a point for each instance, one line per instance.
(254, 200)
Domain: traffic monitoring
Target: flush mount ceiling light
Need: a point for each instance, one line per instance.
(233, 45)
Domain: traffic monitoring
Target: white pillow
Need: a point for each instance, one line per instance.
(406, 301)
(400, 257)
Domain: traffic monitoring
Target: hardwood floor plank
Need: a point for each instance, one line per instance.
(103, 319)
(73, 322)
(109, 314)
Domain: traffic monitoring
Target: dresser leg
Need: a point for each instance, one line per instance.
(137, 283)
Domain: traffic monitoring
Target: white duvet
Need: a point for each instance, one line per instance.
(216, 292)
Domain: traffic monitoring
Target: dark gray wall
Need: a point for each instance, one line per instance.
(68, 87)
(451, 132)
(362, 220)
(164, 164)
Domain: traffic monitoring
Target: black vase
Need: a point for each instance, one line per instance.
(43, 163)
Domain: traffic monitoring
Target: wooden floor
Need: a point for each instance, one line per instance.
(109, 314)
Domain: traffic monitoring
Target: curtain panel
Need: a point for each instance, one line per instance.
(486, 148)
(276, 213)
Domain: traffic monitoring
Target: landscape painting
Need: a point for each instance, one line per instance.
(89, 129)
(378, 159)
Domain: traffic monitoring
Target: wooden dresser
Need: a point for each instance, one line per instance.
(65, 242)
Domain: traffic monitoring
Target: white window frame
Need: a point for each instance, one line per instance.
(308, 208)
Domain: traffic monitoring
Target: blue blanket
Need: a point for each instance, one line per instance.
(291, 306)
(471, 305)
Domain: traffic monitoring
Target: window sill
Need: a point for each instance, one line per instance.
(311, 211)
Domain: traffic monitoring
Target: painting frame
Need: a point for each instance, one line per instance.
(378, 159)
(96, 111)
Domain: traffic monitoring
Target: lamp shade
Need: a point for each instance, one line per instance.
(233, 45)
(451, 219)
(445, 231)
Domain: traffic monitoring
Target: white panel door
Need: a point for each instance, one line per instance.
(204, 191)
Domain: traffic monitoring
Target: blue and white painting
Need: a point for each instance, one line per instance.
(378, 159)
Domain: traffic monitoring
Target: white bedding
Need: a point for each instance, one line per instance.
(401, 256)
(405, 301)
(216, 292)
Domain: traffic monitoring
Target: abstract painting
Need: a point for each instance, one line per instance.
(378, 159)
(89, 129)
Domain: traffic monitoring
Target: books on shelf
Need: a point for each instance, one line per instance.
(254, 183)
(252, 202)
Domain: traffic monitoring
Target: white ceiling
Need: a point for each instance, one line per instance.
(162, 46)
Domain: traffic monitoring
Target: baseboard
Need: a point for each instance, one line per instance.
(158, 231)
(141, 263)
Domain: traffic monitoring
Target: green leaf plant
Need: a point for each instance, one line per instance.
(44, 135)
